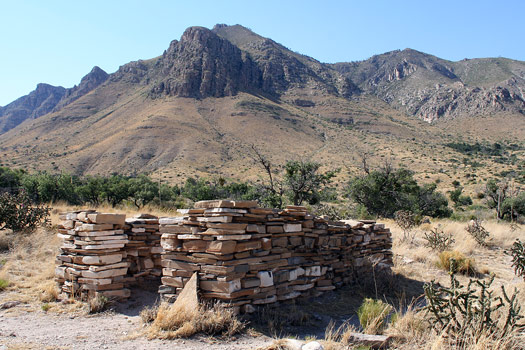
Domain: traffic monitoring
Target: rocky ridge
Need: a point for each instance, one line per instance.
(47, 98)
(227, 60)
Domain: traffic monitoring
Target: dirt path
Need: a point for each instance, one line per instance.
(37, 330)
(26, 327)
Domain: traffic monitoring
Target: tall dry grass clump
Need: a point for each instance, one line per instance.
(30, 266)
(373, 315)
(462, 264)
(177, 321)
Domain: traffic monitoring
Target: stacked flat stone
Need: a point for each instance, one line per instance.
(143, 249)
(91, 259)
(248, 256)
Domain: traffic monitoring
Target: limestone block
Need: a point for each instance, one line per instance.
(266, 278)
(105, 218)
(293, 227)
(221, 286)
(221, 247)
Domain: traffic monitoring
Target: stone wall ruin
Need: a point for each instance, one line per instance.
(244, 255)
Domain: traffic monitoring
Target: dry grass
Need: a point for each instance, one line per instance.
(176, 321)
(463, 265)
(149, 313)
(30, 266)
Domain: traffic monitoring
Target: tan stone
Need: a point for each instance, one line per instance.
(227, 226)
(105, 218)
(250, 245)
(180, 265)
(274, 229)
(118, 294)
(221, 287)
(94, 227)
(221, 247)
(101, 259)
(174, 229)
(105, 274)
(233, 237)
(293, 227)
(194, 246)
(172, 281)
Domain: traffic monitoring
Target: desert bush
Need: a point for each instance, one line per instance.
(17, 213)
(373, 315)
(149, 313)
(456, 262)
(436, 239)
(468, 313)
(517, 252)
(478, 232)
(387, 190)
(407, 221)
(98, 304)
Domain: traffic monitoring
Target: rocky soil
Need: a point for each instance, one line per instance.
(25, 327)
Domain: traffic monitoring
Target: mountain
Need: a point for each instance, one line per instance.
(47, 98)
(432, 88)
(37, 103)
(200, 107)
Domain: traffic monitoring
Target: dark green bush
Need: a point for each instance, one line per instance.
(387, 190)
(19, 214)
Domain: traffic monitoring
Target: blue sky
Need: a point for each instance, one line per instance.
(58, 42)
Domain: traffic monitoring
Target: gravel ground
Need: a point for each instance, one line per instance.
(26, 327)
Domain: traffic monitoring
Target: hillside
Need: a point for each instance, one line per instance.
(197, 109)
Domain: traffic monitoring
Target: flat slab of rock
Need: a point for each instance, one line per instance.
(9, 304)
(370, 340)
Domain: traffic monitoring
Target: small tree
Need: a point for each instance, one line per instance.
(458, 199)
(17, 213)
(304, 182)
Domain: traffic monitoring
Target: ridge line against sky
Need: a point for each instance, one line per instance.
(58, 42)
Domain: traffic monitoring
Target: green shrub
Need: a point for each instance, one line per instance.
(17, 213)
(384, 191)
(3, 284)
(373, 315)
